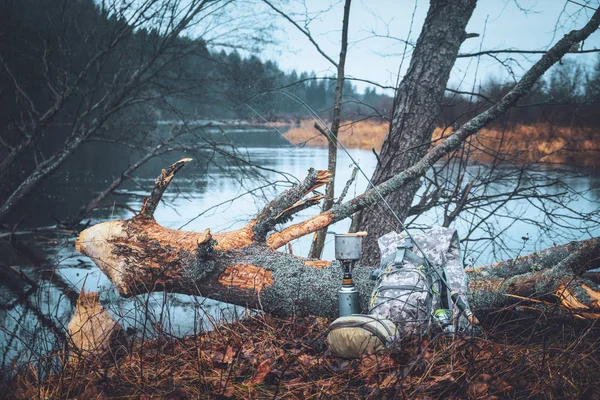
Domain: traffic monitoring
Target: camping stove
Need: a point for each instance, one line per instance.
(348, 250)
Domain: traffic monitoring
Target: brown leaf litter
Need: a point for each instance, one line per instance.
(268, 357)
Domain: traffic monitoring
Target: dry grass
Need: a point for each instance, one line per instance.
(539, 143)
(266, 357)
(520, 144)
(362, 135)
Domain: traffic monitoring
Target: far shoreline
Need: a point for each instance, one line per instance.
(518, 145)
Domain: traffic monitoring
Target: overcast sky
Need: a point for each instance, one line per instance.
(523, 24)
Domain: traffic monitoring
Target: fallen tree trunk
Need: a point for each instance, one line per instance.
(557, 273)
(240, 267)
(243, 267)
(538, 261)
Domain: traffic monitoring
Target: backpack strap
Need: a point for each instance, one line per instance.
(445, 290)
(405, 253)
(379, 322)
(401, 287)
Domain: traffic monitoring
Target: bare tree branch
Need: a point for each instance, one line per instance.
(303, 30)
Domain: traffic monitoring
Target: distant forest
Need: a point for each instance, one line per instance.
(43, 46)
(568, 96)
(41, 42)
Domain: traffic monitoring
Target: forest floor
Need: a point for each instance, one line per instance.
(534, 356)
(518, 144)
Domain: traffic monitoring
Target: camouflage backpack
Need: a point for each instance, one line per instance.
(413, 289)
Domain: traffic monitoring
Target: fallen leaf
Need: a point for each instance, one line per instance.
(261, 372)
(228, 357)
(306, 360)
(388, 380)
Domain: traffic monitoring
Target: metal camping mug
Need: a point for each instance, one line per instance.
(348, 247)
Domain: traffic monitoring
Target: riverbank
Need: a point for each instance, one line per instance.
(541, 143)
(267, 357)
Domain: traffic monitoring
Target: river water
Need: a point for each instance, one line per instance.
(217, 193)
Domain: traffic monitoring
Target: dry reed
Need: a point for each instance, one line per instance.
(519, 144)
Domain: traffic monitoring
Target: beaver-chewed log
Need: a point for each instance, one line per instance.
(244, 267)
(240, 267)
(549, 274)
(93, 333)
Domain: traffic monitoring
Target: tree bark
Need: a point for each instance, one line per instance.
(140, 256)
(537, 261)
(416, 109)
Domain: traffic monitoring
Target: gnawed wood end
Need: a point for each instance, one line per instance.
(246, 277)
(278, 239)
(301, 205)
(569, 302)
(595, 296)
(120, 248)
(92, 330)
(323, 178)
(239, 239)
(97, 242)
(567, 298)
(317, 263)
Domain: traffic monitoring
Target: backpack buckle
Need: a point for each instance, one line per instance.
(399, 259)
